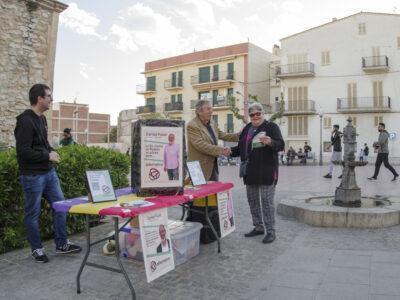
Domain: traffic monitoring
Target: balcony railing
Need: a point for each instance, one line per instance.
(364, 104)
(217, 78)
(375, 63)
(146, 109)
(142, 89)
(300, 107)
(295, 70)
(173, 106)
(221, 101)
(169, 85)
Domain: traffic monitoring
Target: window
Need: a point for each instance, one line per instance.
(215, 97)
(327, 122)
(151, 102)
(215, 118)
(204, 74)
(215, 76)
(180, 78)
(377, 89)
(325, 58)
(229, 92)
(179, 98)
(229, 121)
(204, 95)
(230, 71)
(297, 98)
(297, 125)
(361, 29)
(151, 83)
(351, 95)
(377, 120)
(173, 79)
(173, 98)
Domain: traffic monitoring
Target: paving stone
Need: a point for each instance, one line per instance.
(347, 275)
(343, 291)
(351, 261)
(286, 293)
(298, 279)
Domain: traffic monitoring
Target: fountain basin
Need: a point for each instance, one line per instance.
(375, 212)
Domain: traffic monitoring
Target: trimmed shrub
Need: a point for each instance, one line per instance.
(75, 160)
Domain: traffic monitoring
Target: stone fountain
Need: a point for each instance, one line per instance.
(347, 208)
(348, 194)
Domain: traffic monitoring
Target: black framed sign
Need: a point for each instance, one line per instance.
(100, 186)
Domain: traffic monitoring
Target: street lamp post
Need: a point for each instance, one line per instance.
(320, 137)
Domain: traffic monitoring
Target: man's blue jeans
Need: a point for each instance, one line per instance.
(35, 187)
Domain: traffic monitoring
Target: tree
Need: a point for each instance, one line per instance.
(235, 110)
(281, 108)
(113, 135)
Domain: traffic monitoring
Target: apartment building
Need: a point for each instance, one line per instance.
(86, 127)
(174, 84)
(348, 67)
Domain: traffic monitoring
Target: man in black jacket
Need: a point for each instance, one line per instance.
(37, 175)
(336, 142)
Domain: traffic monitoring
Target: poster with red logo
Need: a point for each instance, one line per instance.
(156, 243)
(226, 213)
(161, 157)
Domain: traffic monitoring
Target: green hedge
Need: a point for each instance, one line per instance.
(71, 171)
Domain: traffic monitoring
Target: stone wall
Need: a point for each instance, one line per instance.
(124, 131)
(28, 35)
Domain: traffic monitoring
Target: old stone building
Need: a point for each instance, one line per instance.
(124, 131)
(28, 35)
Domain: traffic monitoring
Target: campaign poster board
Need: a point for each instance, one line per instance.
(226, 213)
(158, 157)
(161, 156)
(100, 186)
(156, 243)
(196, 173)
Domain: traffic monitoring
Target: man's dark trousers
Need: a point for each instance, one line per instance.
(383, 158)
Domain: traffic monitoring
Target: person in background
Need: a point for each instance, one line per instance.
(38, 178)
(259, 144)
(361, 155)
(291, 154)
(336, 142)
(366, 152)
(307, 150)
(383, 153)
(67, 139)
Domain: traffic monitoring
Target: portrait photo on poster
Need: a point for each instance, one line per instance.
(100, 186)
(195, 173)
(161, 156)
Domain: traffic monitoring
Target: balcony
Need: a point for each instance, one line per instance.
(219, 80)
(173, 107)
(300, 107)
(375, 63)
(295, 70)
(169, 85)
(220, 103)
(364, 104)
(147, 109)
(141, 89)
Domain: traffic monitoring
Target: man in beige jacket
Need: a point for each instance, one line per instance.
(203, 135)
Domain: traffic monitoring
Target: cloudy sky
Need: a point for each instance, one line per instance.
(102, 45)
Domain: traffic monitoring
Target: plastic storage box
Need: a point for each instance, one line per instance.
(185, 238)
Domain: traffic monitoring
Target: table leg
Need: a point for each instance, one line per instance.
(118, 257)
(78, 284)
(212, 227)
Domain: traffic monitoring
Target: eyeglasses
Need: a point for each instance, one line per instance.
(256, 114)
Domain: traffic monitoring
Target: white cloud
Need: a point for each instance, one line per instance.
(84, 70)
(225, 3)
(225, 33)
(253, 19)
(80, 21)
(125, 40)
(141, 26)
(293, 6)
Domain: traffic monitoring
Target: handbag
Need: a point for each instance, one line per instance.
(243, 168)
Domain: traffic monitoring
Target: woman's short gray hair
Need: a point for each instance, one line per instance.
(255, 107)
(200, 103)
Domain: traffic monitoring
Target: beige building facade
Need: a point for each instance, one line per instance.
(174, 84)
(28, 35)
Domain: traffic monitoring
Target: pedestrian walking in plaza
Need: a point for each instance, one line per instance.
(259, 144)
(383, 153)
(38, 178)
(336, 142)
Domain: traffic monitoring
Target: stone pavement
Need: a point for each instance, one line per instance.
(303, 263)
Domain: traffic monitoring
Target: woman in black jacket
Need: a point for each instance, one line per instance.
(259, 144)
